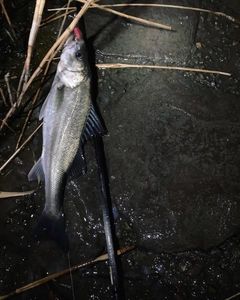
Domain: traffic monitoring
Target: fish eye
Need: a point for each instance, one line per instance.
(79, 55)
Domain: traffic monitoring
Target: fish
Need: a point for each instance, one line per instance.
(69, 119)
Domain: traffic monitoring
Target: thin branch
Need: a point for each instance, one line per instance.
(233, 296)
(59, 9)
(10, 112)
(28, 116)
(20, 148)
(9, 34)
(218, 13)
(57, 17)
(117, 66)
(37, 17)
(56, 13)
(14, 194)
(150, 23)
(39, 89)
(64, 272)
(7, 17)
(3, 80)
(6, 124)
(6, 78)
(64, 19)
(61, 40)
(3, 97)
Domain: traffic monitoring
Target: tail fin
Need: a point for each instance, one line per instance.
(50, 228)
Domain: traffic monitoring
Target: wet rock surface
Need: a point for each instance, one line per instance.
(186, 195)
(182, 197)
(173, 162)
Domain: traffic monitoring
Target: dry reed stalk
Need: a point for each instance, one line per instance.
(7, 17)
(6, 78)
(64, 19)
(177, 7)
(233, 296)
(58, 17)
(11, 110)
(3, 97)
(55, 14)
(59, 9)
(14, 194)
(37, 17)
(64, 272)
(150, 23)
(3, 80)
(117, 66)
(6, 124)
(36, 96)
(28, 115)
(61, 40)
(20, 148)
(42, 79)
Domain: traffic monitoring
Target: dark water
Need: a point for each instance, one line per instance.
(172, 153)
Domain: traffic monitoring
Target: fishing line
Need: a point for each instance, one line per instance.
(71, 277)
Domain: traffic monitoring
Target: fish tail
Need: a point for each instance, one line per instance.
(52, 228)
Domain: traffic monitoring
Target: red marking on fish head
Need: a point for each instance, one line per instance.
(77, 33)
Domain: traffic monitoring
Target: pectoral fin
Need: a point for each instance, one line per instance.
(37, 172)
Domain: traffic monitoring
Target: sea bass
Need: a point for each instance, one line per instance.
(68, 119)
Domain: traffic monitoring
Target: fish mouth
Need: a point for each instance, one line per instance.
(76, 36)
(77, 33)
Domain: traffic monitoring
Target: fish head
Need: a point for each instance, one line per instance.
(73, 65)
